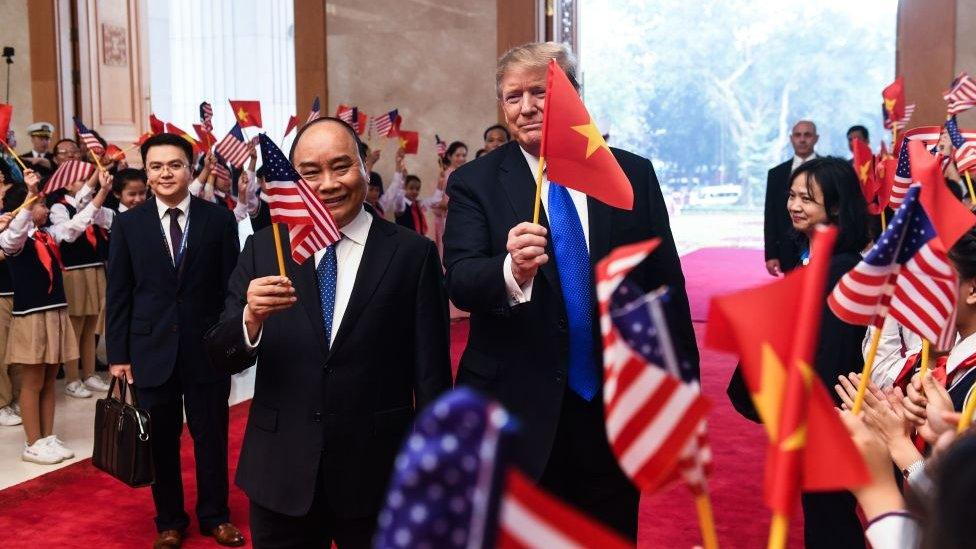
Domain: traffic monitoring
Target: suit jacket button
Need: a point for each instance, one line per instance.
(230, 351)
(328, 370)
(317, 417)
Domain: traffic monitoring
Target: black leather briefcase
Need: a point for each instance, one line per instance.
(123, 438)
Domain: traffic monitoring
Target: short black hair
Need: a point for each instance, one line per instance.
(172, 139)
(7, 171)
(859, 128)
(122, 177)
(843, 200)
(14, 196)
(348, 128)
(410, 178)
(453, 147)
(508, 136)
(963, 254)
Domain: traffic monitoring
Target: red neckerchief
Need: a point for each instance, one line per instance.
(419, 222)
(47, 249)
(228, 201)
(92, 238)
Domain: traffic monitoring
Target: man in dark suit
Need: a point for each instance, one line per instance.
(782, 253)
(40, 158)
(348, 345)
(534, 341)
(169, 262)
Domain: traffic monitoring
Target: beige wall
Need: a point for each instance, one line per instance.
(15, 32)
(432, 60)
(966, 49)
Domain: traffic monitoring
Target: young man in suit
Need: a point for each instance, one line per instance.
(535, 342)
(169, 262)
(782, 254)
(331, 403)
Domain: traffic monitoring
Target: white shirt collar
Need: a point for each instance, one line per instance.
(184, 206)
(964, 349)
(71, 201)
(798, 160)
(36, 154)
(358, 229)
(122, 207)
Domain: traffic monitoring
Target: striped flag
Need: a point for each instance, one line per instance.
(346, 113)
(907, 274)
(221, 173)
(961, 96)
(929, 136)
(385, 124)
(293, 202)
(963, 146)
(654, 409)
(206, 116)
(315, 113)
(68, 172)
(88, 138)
(441, 146)
(531, 518)
(903, 122)
(233, 147)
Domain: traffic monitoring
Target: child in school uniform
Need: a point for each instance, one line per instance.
(41, 337)
(83, 256)
(403, 199)
(9, 377)
(129, 187)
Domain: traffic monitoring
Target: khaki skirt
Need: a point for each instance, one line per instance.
(85, 290)
(44, 337)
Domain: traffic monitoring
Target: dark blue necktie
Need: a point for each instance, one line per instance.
(573, 264)
(327, 269)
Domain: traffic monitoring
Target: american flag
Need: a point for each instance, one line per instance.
(928, 135)
(206, 116)
(88, 138)
(385, 124)
(961, 96)
(441, 146)
(531, 518)
(69, 172)
(654, 409)
(293, 202)
(347, 114)
(906, 274)
(315, 113)
(963, 146)
(909, 110)
(221, 173)
(442, 491)
(233, 147)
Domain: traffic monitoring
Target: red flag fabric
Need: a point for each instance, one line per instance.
(409, 141)
(156, 125)
(575, 152)
(142, 138)
(68, 172)
(292, 124)
(6, 113)
(866, 175)
(113, 153)
(206, 138)
(810, 448)
(248, 113)
(174, 129)
(949, 216)
(894, 99)
(531, 518)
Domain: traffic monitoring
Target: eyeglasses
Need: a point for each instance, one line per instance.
(173, 167)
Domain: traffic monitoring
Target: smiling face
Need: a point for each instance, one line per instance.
(806, 204)
(133, 194)
(168, 170)
(523, 98)
(327, 157)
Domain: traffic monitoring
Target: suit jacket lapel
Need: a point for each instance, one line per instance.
(197, 221)
(519, 185)
(378, 252)
(303, 277)
(159, 247)
(599, 214)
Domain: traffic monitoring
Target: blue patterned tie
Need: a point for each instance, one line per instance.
(326, 271)
(573, 264)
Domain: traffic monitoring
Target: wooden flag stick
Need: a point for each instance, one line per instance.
(969, 184)
(884, 223)
(967, 414)
(866, 371)
(777, 531)
(706, 521)
(24, 204)
(925, 360)
(280, 254)
(538, 189)
(894, 135)
(97, 161)
(14, 154)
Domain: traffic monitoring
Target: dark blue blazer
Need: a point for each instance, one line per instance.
(156, 314)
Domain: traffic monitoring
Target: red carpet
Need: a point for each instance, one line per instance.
(79, 506)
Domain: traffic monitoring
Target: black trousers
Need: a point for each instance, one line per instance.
(317, 529)
(206, 417)
(830, 521)
(583, 471)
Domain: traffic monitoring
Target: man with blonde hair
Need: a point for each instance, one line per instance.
(534, 342)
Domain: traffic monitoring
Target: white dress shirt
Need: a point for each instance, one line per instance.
(521, 294)
(896, 344)
(897, 530)
(797, 160)
(349, 255)
(164, 221)
(22, 226)
(102, 217)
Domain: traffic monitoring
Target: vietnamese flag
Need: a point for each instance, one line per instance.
(885, 166)
(6, 113)
(197, 147)
(575, 152)
(864, 167)
(113, 153)
(894, 99)
(950, 217)
(248, 113)
(409, 141)
(205, 136)
(810, 449)
(292, 124)
(156, 125)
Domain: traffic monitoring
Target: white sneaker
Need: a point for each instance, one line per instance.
(8, 417)
(96, 383)
(77, 389)
(56, 444)
(40, 453)
(16, 408)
